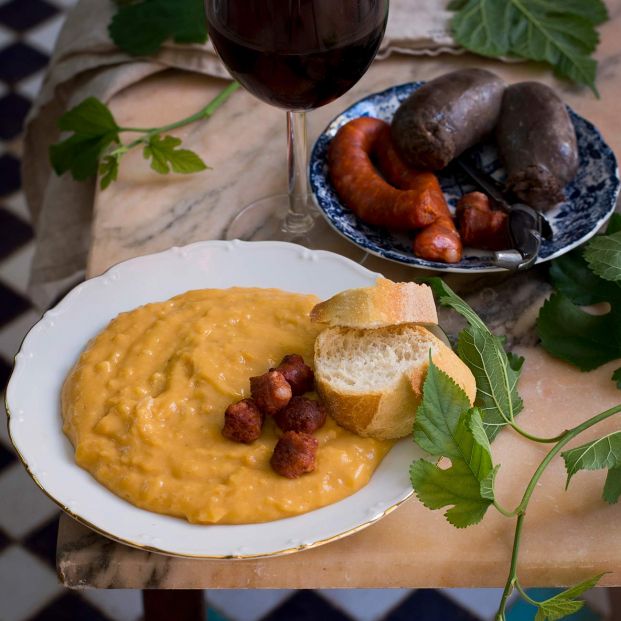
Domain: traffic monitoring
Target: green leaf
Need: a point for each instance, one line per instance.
(603, 254)
(612, 486)
(614, 224)
(141, 28)
(91, 118)
(487, 484)
(570, 274)
(602, 453)
(79, 155)
(165, 154)
(564, 603)
(553, 610)
(584, 340)
(496, 374)
(563, 36)
(580, 588)
(563, 41)
(483, 26)
(185, 162)
(616, 377)
(567, 332)
(458, 486)
(594, 11)
(438, 414)
(109, 171)
(94, 130)
(496, 380)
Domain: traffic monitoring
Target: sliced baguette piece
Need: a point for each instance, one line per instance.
(371, 381)
(386, 303)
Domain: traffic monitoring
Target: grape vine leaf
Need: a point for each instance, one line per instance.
(571, 276)
(90, 117)
(437, 415)
(561, 34)
(614, 224)
(460, 485)
(165, 154)
(140, 28)
(94, 130)
(605, 452)
(603, 254)
(594, 11)
(564, 603)
(568, 332)
(467, 485)
(496, 372)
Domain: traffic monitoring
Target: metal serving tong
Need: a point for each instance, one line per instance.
(527, 226)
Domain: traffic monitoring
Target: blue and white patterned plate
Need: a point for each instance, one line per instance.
(591, 196)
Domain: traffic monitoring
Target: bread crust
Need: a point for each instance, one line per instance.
(389, 413)
(386, 303)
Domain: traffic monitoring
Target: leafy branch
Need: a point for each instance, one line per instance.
(95, 145)
(560, 33)
(139, 27)
(446, 426)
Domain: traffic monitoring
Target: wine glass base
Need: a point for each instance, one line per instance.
(264, 220)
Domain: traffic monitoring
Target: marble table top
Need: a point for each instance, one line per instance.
(567, 536)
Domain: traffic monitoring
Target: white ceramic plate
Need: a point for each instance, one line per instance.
(54, 344)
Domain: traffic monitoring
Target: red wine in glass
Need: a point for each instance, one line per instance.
(297, 55)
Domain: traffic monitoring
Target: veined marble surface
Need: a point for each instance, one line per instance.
(568, 535)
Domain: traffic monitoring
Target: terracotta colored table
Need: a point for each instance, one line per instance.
(567, 536)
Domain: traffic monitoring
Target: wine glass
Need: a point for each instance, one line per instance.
(297, 55)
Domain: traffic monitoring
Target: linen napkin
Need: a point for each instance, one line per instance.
(86, 63)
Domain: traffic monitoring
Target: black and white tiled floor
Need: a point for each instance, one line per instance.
(29, 588)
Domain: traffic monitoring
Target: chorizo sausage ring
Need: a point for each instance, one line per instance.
(362, 189)
(416, 203)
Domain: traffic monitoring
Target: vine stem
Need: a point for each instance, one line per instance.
(529, 436)
(512, 579)
(520, 510)
(203, 113)
(501, 509)
(524, 594)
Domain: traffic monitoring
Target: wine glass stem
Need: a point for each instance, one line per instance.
(298, 219)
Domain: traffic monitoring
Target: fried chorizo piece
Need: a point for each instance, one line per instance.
(363, 190)
(537, 143)
(270, 391)
(295, 454)
(479, 225)
(440, 240)
(301, 414)
(299, 375)
(446, 116)
(243, 421)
